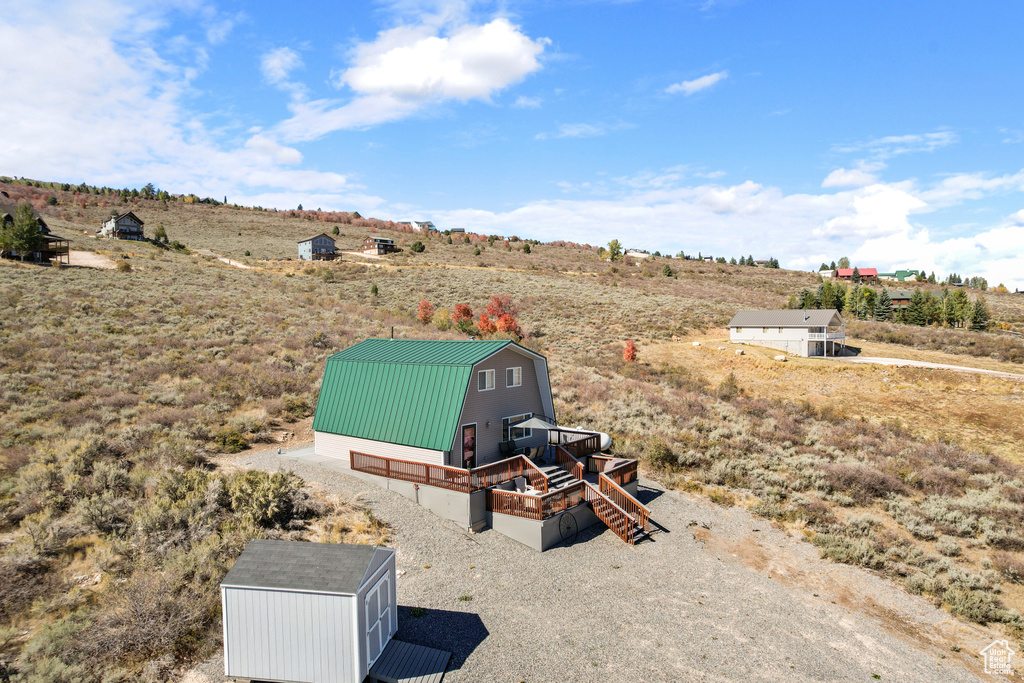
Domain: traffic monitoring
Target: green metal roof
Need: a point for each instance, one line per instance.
(404, 391)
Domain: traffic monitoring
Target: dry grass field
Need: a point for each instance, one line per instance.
(980, 412)
(121, 390)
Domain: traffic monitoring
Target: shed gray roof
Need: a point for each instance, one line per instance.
(293, 565)
(787, 318)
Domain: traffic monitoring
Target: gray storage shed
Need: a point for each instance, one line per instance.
(308, 612)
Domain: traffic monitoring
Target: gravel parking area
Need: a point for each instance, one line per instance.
(717, 595)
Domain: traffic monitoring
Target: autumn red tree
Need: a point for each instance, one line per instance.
(629, 353)
(507, 323)
(502, 304)
(462, 317)
(485, 325)
(426, 311)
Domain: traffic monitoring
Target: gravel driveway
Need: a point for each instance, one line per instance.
(715, 596)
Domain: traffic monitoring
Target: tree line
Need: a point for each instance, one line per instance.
(950, 308)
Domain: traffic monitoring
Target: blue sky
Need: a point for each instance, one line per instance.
(889, 132)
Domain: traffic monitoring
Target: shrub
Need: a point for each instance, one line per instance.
(485, 326)
(862, 481)
(230, 440)
(263, 499)
(729, 388)
(629, 352)
(976, 606)
(442, 319)
(508, 324)
(425, 312)
(462, 318)
(124, 267)
(1010, 565)
(948, 546)
(418, 247)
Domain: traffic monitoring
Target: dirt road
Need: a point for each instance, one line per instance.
(88, 259)
(905, 362)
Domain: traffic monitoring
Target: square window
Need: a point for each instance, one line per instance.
(485, 380)
(515, 432)
(513, 377)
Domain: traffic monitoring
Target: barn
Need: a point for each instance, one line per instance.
(308, 612)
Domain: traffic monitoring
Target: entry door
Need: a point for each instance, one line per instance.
(378, 619)
(469, 446)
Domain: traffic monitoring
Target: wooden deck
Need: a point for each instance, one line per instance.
(407, 663)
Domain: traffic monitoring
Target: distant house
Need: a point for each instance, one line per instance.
(636, 253)
(900, 298)
(422, 226)
(900, 275)
(51, 247)
(762, 264)
(379, 246)
(319, 248)
(800, 332)
(127, 226)
(866, 274)
(457, 231)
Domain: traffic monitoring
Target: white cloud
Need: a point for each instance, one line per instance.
(895, 145)
(583, 130)
(409, 67)
(871, 224)
(278, 64)
(854, 177)
(119, 116)
(696, 85)
(524, 102)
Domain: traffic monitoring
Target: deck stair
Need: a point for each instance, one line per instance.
(557, 477)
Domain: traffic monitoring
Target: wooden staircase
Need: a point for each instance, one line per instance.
(627, 517)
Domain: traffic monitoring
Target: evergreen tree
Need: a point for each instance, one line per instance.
(916, 314)
(750, 260)
(832, 266)
(840, 297)
(807, 299)
(732, 261)
(931, 278)
(979, 315)
(824, 266)
(827, 295)
(856, 275)
(961, 305)
(852, 301)
(22, 234)
(932, 308)
(883, 306)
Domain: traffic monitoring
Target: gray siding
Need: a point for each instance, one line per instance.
(483, 406)
(289, 636)
(306, 251)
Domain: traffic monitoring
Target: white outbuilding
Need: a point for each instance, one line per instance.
(308, 612)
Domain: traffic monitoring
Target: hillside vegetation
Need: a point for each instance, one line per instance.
(118, 386)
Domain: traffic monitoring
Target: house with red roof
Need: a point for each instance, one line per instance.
(866, 274)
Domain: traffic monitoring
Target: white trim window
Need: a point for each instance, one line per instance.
(514, 377)
(485, 380)
(513, 433)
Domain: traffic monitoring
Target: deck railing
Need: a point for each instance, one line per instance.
(623, 474)
(452, 478)
(614, 517)
(535, 507)
(581, 446)
(631, 506)
(569, 463)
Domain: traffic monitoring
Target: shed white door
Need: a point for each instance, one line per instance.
(378, 619)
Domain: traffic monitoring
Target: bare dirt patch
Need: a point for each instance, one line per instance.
(90, 259)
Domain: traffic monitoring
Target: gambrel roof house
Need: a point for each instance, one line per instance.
(803, 332)
(464, 428)
(319, 247)
(437, 402)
